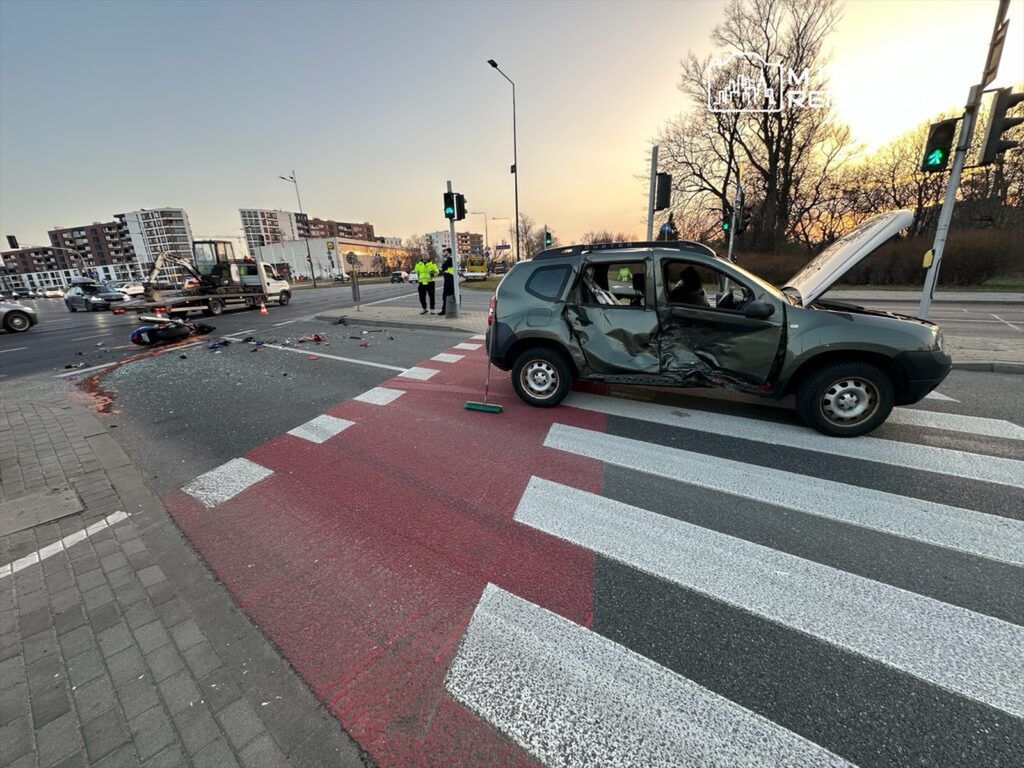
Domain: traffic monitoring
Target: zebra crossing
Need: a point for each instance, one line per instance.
(746, 614)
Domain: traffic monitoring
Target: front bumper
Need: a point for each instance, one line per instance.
(923, 371)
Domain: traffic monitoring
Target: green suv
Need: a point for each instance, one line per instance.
(675, 314)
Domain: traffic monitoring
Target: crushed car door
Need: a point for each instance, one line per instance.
(611, 315)
(707, 330)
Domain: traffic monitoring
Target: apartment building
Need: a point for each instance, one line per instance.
(159, 230)
(36, 267)
(330, 228)
(263, 226)
(102, 248)
(469, 242)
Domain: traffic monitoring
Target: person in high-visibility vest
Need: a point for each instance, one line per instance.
(425, 270)
(448, 271)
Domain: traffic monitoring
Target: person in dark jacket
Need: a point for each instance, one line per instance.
(448, 272)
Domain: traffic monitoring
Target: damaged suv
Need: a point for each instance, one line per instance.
(675, 314)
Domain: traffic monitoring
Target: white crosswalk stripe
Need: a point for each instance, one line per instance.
(986, 535)
(573, 695)
(992, 469)
(573, 698)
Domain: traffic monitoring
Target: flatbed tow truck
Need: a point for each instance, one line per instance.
(221, 280)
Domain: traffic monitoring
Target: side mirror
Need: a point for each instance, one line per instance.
(758, 310)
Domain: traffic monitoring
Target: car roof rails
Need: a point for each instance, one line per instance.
(576, 250)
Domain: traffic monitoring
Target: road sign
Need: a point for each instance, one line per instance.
(351, 258)
(502, 247)
(330, 245)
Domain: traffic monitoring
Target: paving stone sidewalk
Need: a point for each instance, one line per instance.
(117, 646)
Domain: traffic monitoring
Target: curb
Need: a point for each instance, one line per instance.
(355, 319)
(992, 302)
(990, 367)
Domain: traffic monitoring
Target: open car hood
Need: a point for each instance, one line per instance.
(845, 253)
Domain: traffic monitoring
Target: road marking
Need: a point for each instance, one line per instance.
(384, 301)
(15, 349)
(478, 337)
(316, 351)
(955, 422)
(443, 357)
(321, 429)
(573, 698)
(464, 345)
(421, 374)
(286, 322)
(990, 536)
(972, 654)
(79, 371)
(997, 317)
(991, 469)
(380, 396)
(59, 546)
(940, 396)
(226, 481)
(97, 336)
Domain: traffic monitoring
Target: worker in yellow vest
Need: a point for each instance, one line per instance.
(448, 271)
(425, 271)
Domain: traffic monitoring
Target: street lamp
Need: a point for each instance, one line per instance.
(484, 214)
(515, 152)
(502, 218)
(305, 236)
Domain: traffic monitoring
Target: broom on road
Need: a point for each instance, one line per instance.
(485, 406)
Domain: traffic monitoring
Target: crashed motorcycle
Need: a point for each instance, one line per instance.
(167, 330)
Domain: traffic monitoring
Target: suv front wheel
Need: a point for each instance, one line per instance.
(541, 377)
(845, 399)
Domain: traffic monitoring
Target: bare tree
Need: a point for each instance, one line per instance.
(787, 155)
(604, 236)
(419, 248)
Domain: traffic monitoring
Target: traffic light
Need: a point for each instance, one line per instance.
(663, 192)
(449, 205)
(743, 220)
(548, 239)
(939, 145)
(460, 207)
(998, 124)
(726, 217)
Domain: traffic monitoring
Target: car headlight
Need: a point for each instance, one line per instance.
(939, 341)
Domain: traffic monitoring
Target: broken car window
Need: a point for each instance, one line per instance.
(622, 285)
(696, 285)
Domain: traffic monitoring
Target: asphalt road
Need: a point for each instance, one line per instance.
(459, 585)
(996, 321)
(68, 339)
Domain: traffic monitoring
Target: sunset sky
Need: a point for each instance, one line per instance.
(107, 107)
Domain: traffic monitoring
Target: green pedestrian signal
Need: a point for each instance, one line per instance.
(939, 145)
(449, 205)
(726, 217)
(937, 158)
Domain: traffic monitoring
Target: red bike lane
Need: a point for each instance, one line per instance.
(363, 557)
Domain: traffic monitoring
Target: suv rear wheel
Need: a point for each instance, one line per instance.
(845, 399)
(541, 377)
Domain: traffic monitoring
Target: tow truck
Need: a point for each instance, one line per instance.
(220, 280)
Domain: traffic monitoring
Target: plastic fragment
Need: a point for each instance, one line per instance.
(313, 357)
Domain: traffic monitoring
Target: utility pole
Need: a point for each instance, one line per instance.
(457, 299)
(650, 198)
(995, 52)
(737, 205)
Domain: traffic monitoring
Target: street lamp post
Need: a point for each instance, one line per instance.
(487, 244)
(503, 218)
(515, 151)
(309, 256)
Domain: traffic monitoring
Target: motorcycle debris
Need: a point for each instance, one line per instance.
(183, 356)
(313, 357)
(247, 339)
(364, 344)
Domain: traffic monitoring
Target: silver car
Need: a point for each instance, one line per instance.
(15, 318)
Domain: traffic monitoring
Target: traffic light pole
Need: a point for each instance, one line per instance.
(995, 49)
(931, 278)
(457, 299)
(650, 196)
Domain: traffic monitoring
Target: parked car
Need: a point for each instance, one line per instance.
(90, 296)
(340, 278)
(16, 318)
(400, 276)
(675, 314)
(129, 288)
